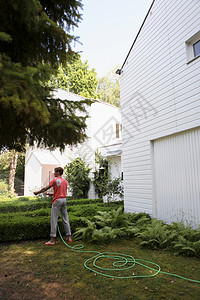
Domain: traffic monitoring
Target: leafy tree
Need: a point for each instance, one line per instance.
(108, 88)
(14, 175)
(101, 175)
(77, 174)
(34, 41)
(114, 190)
(76, 77)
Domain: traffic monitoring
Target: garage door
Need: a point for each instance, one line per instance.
(177, 177)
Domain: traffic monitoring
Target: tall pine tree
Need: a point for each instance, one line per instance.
(34, 40)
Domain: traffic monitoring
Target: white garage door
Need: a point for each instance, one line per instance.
(177, 177)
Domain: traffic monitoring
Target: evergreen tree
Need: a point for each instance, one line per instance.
(34, 40)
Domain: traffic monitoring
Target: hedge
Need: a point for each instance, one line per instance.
(28, 228)
(21, 220)
(31, 205)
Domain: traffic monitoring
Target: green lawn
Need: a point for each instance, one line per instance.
(30, 270)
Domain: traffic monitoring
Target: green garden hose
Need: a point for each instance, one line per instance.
(121, 263)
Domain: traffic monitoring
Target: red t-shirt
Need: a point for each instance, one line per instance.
(59, 185)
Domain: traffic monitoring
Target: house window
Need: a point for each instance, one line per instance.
(196, 47)
(117, 130)
(193, 47)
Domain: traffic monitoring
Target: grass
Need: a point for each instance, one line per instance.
(30, 270)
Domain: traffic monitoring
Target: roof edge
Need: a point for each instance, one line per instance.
(119, 71)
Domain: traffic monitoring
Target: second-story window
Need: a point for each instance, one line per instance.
(196, 47)
(193, 47)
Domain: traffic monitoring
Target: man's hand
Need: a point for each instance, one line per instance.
(42, 190)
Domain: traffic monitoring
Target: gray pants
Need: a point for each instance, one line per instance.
(57, 207)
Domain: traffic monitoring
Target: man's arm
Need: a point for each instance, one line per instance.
(42, 190)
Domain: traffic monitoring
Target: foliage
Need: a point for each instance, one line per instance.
(103, 184)
(20, 166)
(108, 88)
(85, 233)
(25, 218)
(188, 240)
(28, 218)
(3, 187)
(4, 166)
(39, 34)
(112, 218)
(76, 77)
(5, 159)
(23, 204)
(107, 225)
(156, 235)
(33, 45)
(77, 174)
(101, 175)
(152, 233)
(114, 189)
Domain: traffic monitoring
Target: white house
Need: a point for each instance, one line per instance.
(103, 130)
(160, 104)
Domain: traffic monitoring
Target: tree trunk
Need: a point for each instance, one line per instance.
(13, 165)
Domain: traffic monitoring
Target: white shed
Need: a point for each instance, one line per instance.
(103, 129)
(160, 103)
(38, 170)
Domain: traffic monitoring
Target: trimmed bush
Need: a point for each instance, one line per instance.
(27, 204)
(27, 218)
(30, 228)
(24, 228)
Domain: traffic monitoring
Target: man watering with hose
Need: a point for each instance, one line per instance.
(59, 185)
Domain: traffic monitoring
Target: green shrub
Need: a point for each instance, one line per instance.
(187, 240)
(156, 235)
(26, 218)
(24, 228)
(3, 186)
(105, 226)
(77, 174)
(27, 227)
(83, 201)
(29, 206)
(23, 217)
(101, 175)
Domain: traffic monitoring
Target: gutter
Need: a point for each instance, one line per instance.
(119, 71)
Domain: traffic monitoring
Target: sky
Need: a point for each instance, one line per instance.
(107, 31)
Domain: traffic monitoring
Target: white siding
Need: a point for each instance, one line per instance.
(177, 177)
(160, 93)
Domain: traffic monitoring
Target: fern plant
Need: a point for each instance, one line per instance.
(186, 247)
(113, 218)
(156, 235)
(187, 232)
(85, 232)
(187, 241)
(107, 226)
(105, 234)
